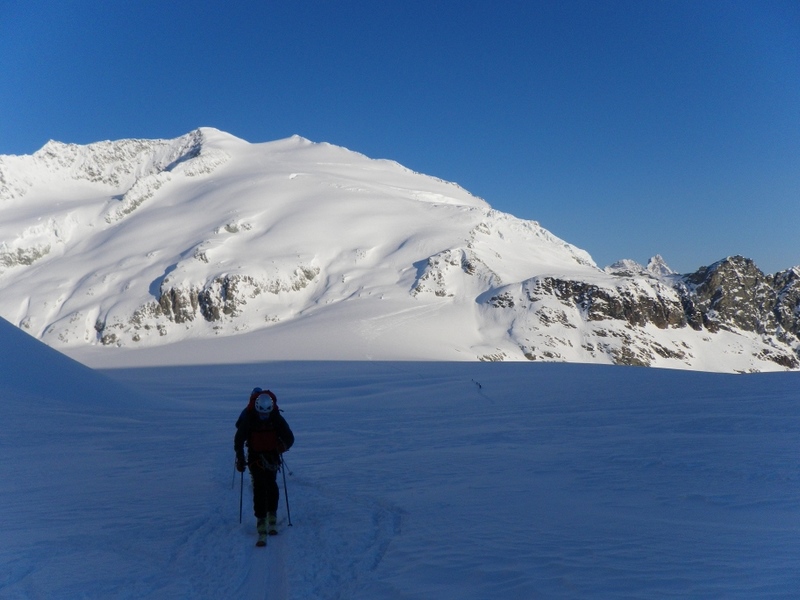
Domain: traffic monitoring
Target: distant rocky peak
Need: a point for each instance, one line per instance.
(729, 269)
(626, 268)
(789, 276)
(658, 266)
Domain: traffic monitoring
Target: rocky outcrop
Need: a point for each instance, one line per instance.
(444, 273)
(21, 256)
(786, 311)
(731, 295)
(734, 293)
(224, 297)
(632, 303)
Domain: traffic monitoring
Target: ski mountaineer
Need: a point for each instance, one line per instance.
(267, 436)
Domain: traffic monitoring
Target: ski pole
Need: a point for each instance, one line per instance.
(241, 493)
(286, 492)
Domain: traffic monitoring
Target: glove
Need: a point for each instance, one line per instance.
(241, 465)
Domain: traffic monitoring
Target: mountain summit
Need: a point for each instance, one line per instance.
(295, 249)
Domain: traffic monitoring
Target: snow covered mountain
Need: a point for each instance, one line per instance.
(302, 250)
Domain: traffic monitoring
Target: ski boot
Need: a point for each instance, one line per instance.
(272, 519)
(261, 527)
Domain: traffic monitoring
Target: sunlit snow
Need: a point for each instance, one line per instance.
(295, 250)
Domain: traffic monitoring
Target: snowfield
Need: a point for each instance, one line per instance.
(409, 480)
(144, 244)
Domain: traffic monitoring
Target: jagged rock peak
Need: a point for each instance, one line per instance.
(731, 266)
(625, 268)
(656, 267)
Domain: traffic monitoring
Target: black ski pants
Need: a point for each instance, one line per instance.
(265, 488)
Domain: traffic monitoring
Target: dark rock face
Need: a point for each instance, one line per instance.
(732, 294)
(223, 297)
(620, 304)
(786, 310)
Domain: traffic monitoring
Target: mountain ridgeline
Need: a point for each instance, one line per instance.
(731, 295)
(143, 243)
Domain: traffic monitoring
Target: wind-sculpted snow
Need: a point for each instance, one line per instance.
(144, 243)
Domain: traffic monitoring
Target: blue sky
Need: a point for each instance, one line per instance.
(626, 128)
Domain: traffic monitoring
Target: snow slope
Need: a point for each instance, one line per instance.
(408, 480)
(290, 229)
(307, 250)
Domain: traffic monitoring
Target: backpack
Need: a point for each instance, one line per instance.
(263, 438)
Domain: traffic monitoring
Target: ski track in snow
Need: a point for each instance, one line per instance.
(647, 478)
(409, 481)
(373, 327)
(337, 535)
(266, 574)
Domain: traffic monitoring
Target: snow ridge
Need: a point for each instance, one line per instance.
(146, 243)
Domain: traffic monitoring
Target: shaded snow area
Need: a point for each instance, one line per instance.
(407, 480)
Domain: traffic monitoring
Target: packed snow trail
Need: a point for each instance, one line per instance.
(266, 574)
